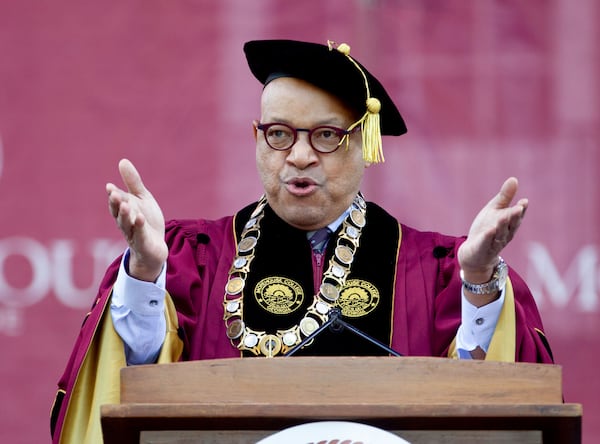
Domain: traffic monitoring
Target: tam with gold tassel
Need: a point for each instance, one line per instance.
(331, 68)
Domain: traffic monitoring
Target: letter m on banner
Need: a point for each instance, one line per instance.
(578, 285)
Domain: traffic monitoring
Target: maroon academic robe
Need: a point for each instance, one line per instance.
(425, 305)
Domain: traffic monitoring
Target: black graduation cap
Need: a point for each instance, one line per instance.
(331, 68)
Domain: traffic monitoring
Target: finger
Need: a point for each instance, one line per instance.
(121, 208)
(114, 199)
(110, 187)
(125, 216)
(131, 177)
(515, 220)
(524, 204)
(509, 224)
(113, 207)
(129, 220)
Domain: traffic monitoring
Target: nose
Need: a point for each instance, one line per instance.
(302, 154)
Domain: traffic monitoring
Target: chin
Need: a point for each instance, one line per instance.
(305, 218)
(305, 213)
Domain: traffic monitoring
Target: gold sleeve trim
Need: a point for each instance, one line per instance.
(98, 380)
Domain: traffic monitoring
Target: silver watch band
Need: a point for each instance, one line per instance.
(493, 285)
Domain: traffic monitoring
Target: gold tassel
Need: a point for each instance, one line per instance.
(371, 133)
(372, 145)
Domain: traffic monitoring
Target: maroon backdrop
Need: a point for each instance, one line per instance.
(489, 89)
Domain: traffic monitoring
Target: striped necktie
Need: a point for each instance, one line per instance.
(318, 239)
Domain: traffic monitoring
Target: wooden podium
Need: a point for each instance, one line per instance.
(424, 400)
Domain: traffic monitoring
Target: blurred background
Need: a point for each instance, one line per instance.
(488, 88)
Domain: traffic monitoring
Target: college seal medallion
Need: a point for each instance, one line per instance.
(279, 295)
(358, 298)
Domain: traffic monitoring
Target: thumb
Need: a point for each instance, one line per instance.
(507, 193)
(131, 177)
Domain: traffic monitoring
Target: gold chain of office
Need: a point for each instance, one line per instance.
(334, 279)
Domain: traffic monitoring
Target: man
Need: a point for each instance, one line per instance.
(253, 285)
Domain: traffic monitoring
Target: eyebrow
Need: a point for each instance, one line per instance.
(333, 121)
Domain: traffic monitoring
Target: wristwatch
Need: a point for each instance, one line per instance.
(493, 285)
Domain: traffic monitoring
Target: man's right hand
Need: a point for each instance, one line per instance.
(141, 220)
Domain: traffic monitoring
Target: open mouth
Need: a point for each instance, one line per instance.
(301, 187)
(302, 184)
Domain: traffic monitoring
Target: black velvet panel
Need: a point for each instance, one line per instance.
(60, 395)
(284, 251)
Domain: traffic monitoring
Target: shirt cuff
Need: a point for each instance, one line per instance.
(478, 325)
(141, 297)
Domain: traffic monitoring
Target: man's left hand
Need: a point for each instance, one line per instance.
(493, 228)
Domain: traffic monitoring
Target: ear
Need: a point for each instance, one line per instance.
(255, 129)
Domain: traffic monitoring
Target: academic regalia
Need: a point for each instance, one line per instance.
(419, 296)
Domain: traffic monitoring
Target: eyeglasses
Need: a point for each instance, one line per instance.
(324, 139)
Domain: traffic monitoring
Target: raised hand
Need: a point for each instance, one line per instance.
(492, 229)
(141, 221)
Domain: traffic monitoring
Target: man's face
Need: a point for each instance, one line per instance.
(307, 189)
